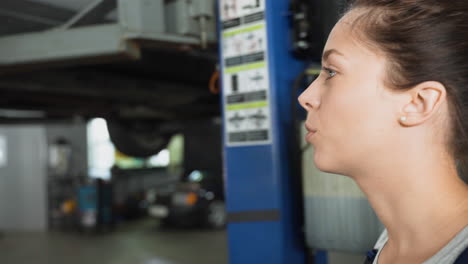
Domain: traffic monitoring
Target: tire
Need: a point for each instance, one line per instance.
(137, 138)
(216, 215)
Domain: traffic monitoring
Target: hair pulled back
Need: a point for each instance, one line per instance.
(424, 40)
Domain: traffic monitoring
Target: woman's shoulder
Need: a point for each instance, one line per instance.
(448, 254)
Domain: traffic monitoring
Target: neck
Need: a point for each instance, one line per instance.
(417, 200)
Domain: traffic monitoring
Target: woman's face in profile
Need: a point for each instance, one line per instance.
(353, 114)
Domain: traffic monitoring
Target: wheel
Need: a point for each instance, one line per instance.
(216, 215)
(137, 138)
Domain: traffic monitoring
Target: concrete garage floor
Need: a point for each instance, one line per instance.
(141, 242)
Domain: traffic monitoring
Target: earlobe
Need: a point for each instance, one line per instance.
(426, 99)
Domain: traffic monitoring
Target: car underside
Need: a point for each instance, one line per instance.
(146, 91)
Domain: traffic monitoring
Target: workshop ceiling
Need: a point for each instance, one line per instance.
(21, 16)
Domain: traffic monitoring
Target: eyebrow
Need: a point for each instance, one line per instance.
(327, 54)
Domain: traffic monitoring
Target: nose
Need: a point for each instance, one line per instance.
(310, 98)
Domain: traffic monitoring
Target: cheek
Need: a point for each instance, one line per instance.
(350, 118)
(342, 112)
(338, 121)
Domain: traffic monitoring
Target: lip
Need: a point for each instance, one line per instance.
(310, 132)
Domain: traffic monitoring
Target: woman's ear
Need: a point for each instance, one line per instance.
(426, 101)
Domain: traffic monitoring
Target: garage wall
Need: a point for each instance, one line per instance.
(22, 179)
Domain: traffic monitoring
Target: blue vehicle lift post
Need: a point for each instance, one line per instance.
(264, 199)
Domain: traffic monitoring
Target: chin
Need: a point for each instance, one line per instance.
(327, 164)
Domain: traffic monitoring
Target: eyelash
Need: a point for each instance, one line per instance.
(331, 73)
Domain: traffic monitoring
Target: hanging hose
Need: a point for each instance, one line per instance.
(214, 83)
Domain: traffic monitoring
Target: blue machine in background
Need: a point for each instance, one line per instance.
(95, 206)
(87, 206)
(264, 199)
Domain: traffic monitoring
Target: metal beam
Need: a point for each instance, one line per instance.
(161, 39)
(91, 44)
(21, 113)
(66, 46)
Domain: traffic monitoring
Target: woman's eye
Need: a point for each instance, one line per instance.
(331, 73)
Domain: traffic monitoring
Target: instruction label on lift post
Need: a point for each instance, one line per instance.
(247, 114)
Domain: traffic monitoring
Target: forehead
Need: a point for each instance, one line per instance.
(346, 38)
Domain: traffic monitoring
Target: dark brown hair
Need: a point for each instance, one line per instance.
(424, 40)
